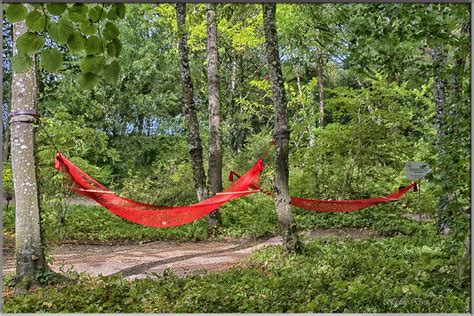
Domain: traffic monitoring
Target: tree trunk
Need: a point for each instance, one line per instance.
(189, 107)
(447, 198)
(319, 69)
(6, 136)
(282, 197)
(215, 147)
(29, 248)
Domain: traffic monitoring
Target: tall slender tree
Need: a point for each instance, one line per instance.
(282, 132)
(29, 248)
(189, 107)
(215, 146)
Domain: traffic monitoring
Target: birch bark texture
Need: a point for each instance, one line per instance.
(215, 143)
(189, 107)
(282, 197)
(29, 248)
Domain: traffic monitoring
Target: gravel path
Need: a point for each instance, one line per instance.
(141, 260)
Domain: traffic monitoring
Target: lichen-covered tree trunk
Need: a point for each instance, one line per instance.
(189, 107)
(447, 198)
(282, 197)
(28, 243)
(319, 70)
(215, 147)
(6, 135)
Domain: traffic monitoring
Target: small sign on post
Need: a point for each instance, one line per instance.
(416, 170)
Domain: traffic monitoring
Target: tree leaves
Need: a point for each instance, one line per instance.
(92, 64)
(29, 43)
(21, 63)
(16, 12)
(88, 81)
(56, 8)
(65, 29)
(51, 59)
(36, 22)
(111, 72)
(76, 41)
(93, 46)
(114, 47)
(81, 28)
(111, 31)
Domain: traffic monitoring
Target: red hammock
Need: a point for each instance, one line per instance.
(338, 205)
(152, 215)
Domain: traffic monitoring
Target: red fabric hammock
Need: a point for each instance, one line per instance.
(338, 205)
(153, 215)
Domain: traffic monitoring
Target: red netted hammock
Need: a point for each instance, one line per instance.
(167, 216)
(338, 205)
(153, 215)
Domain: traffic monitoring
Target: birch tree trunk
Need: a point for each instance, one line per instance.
(282, 197)
(189, 107)
(215, 146)
(29, 248)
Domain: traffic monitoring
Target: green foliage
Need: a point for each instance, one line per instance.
(76, 24)
(21, 63)
(395, 275)
(16, 12)
(51, 59)
(30, 43)
(7, 180)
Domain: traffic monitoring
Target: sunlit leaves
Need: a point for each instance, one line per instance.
(85, 29)
(36, 22)
(29, 43)
(16, 12)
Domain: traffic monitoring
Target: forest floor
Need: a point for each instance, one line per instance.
(139, 260)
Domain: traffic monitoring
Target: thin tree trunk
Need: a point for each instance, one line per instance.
(6, 136)
(447, 198)
(282, 196)
(189, 107)
(215, 147)
(29, 248)
(319, 69)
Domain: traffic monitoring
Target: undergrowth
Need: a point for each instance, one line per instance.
(399, 274)
(253, 217)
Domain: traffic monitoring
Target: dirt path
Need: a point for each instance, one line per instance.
(140, 260)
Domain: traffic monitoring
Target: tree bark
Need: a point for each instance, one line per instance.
(6, 135)
(215, 146)
(29, 248)
(282, 197)
(189, 107)
(319, 70)
(447, 198)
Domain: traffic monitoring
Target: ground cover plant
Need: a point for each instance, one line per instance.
(161, 102)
